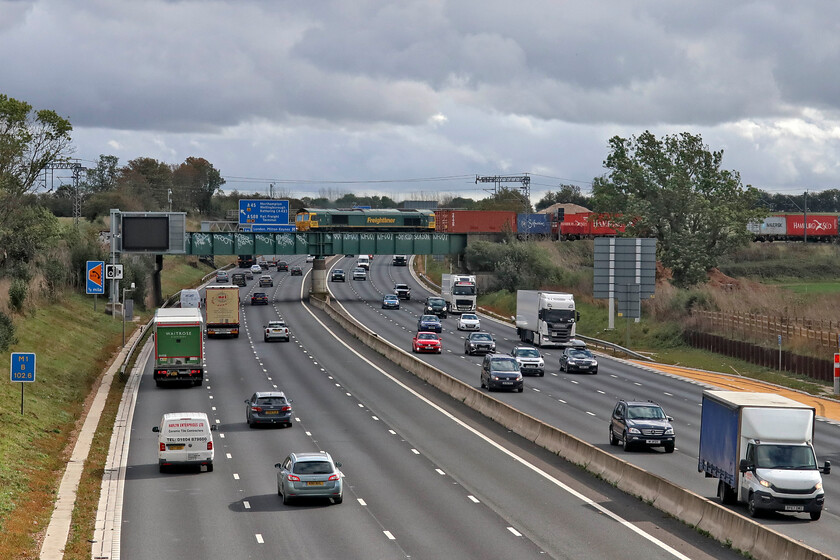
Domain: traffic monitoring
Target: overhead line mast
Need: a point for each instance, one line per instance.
(525, 179)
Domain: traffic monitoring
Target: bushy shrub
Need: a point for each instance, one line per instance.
(17, 294)
(7, 332)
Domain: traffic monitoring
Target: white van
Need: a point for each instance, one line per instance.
(363, 262)
(190, 299)
(184, 438)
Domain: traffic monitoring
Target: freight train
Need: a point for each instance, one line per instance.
(582, 225)
(364, 219)
(791, 227)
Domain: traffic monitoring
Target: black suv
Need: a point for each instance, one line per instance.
(641, 423)
(479, 343)
(402, 291)
(578, 359)
(435, 306)
(501, 371)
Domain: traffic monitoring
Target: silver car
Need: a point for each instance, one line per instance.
(530, 360)
(469, 322)
(276, 330)
(314, 474)
(359, 273)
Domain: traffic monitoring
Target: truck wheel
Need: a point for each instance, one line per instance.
(725, 493)
(751, 509)
(815, 515)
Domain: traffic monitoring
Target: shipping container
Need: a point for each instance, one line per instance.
(475, 221)
(821, 227)
(533, 224)
(588, 224)
(769, 227)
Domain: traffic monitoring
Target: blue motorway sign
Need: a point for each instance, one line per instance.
(264, 215)
(23, 367)
(95, 277)
(262, 228)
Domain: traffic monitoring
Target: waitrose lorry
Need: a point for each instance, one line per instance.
(179, 347)
(459, 291)
(222, 305)
(760, 448)
(546, 318)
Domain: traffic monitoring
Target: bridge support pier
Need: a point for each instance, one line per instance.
(319, 276)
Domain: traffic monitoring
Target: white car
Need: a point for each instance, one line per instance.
(310, 258)
(359, 274)
(276, 330)
(256, 269)
(469, 322)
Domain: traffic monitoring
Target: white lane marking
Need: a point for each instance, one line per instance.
(211, 396)
(666, 393)
(635, 383)
(392, 432)
(514, 531)
(374, 417)
(590, 413)
(600, 391)
(337, 385)
(575, 382)
(389, 535)
(218, 421)
(473, 499)
(260, 539)
(535, 389)
(247, 504)
(361, 405)
(348, 394)
(222, 436)
(562, 401)
(309, 434)
(554, 374)
(212, 408)
(228, 455)
(297, 419)
(361, 502)
(440, 472)
(235, 476)
(559, 483)
(415, 452)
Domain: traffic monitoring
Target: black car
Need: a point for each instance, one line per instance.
(337, 275)
(435, 306)
(501, 371)
(282, 266)
(259, 298)
(480, 343)
(642, 424)
(296, 271)
(402, 291)
(578, 359)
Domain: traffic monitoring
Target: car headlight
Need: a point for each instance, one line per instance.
(594, 362)
(764, 483)
(633, 430)
(496, 378)
(519, 377)
(818, 486)
(669, 431)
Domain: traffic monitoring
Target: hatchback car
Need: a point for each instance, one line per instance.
(310, 258)
(259, 298)
(390, 301)
(578, 359)
(222, 277)
(500, 371)
(638, 423)
(402, 291)
(268, 407)
(429, 323)
(282, 266)
(359, 274)
(315, 474)
(256, 269)
(276, 330)
(296, 271)
(337, 275)
(427, 342)
(479, 343)
(469, 322)
(530, 360)
(435, 306)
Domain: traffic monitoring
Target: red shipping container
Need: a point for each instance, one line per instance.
(584, 224)
(818, 225)
(475, 221)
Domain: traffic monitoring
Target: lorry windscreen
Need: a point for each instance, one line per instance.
(771, 456)
(463, 290)
(558, 315)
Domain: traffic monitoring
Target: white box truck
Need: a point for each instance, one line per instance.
(460, 293)
(546, 318)
(760, 448)
(221, 304)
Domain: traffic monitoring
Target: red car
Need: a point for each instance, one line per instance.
(426, 342)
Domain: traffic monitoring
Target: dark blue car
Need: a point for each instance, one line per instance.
(429, 323)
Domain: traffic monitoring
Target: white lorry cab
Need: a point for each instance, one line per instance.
(190, 299)
(185, 439)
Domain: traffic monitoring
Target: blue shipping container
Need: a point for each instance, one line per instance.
(533, 224)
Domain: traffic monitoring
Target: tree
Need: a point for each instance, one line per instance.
(103, 177)
(675, 190)
(147, 180)
(512, 200)
(194, 183)
(566, 194)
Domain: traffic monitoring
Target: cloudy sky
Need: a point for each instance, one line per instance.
(413, 98)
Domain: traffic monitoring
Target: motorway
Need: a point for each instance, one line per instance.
(582, 404)
(425, 477)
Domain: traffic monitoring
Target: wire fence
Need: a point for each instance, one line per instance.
(818, 336)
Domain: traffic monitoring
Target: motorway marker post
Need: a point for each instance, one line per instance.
(22, 370)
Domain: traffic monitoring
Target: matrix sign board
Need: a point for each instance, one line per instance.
(264, 215)
(152, 232)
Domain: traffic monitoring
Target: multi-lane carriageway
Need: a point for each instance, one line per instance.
(425, 477)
